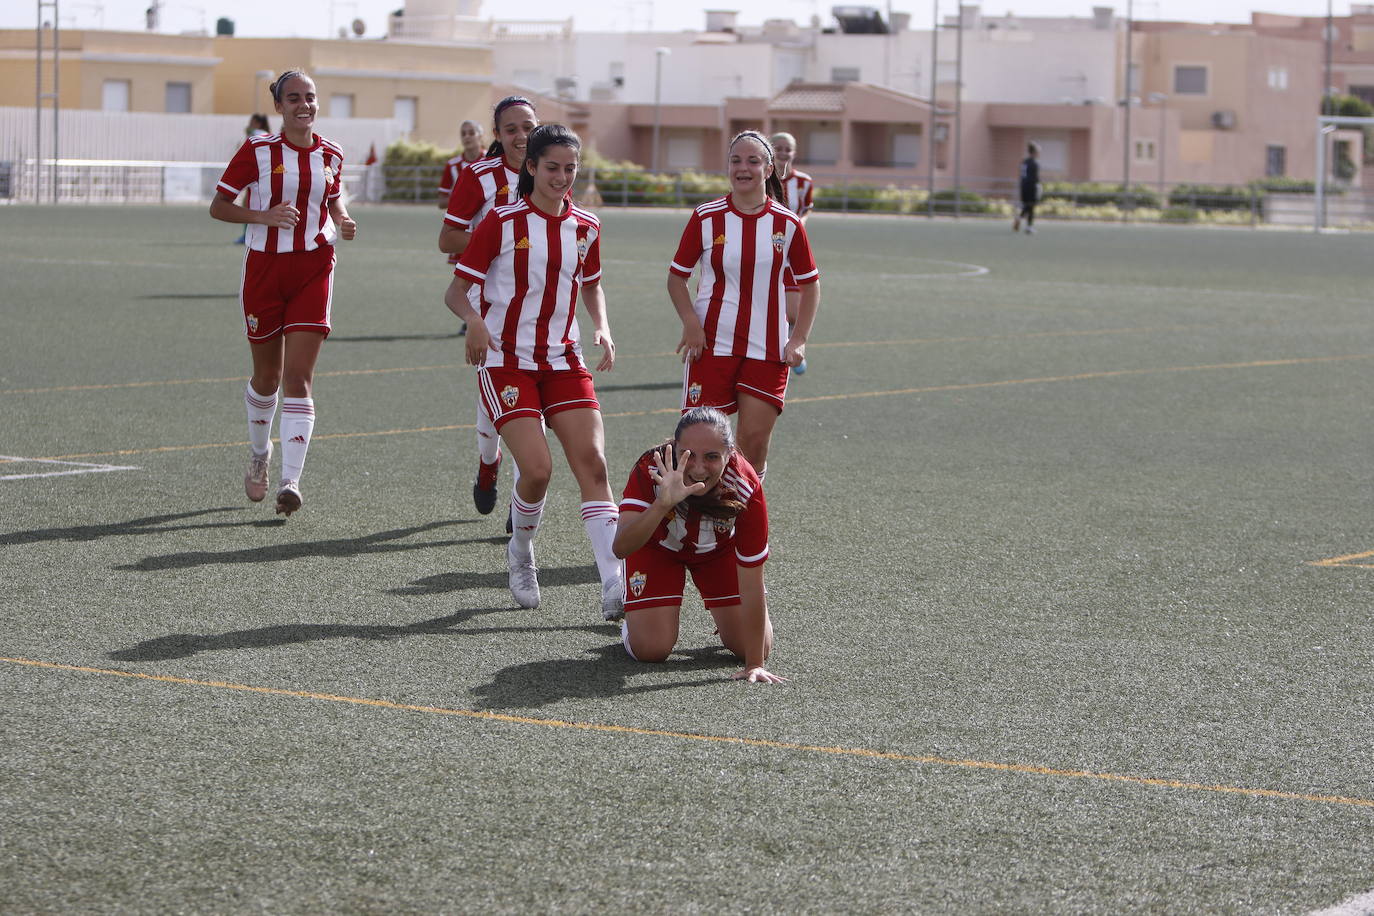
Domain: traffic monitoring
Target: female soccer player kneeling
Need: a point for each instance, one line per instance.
(532, 257)
(696, 505)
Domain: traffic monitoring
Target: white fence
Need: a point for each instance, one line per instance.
(132, 156)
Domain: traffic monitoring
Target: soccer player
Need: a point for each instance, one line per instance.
(1029, 188)
(489, 182)
(470, 136)
(799, 189)
(294, 214)
(736, 345)
(695, 505)
(532, 258)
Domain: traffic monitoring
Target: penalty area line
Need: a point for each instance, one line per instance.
(1359, 905)
(76, 467)
(828, 750)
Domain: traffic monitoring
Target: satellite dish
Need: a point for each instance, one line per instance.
(359, 27)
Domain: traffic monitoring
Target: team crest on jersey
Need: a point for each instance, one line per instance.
(719, 240)
(510, 394)
(723, 525)
(637, 582)
(523, 244)
(253, 323)
(279, 170)
(778, 238)
(328, 172)
(694, 392)
(582, 246)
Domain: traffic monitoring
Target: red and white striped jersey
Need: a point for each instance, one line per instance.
(800, 188)
(487, 183)
(739, 297)
(532, 266)
(448, 178)
(688, 531)
(273, 171)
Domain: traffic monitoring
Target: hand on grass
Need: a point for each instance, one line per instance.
(758, 675)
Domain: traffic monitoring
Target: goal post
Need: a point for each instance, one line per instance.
(1327, 125)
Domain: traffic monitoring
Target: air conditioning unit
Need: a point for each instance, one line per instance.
(1224, 120)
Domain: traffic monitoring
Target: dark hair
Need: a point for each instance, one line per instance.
(541, 138)
(280, 82)
(721, 502)
(510, 101)
(773, 185)
(1033, 148)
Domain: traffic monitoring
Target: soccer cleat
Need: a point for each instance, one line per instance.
(1016, 224)
(613, 599)
(484, 488)
(800, 368)
(524, 577)
(255, 481)
(288, 497)
(1030, 230)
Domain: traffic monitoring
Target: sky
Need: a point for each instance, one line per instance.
(314, 18)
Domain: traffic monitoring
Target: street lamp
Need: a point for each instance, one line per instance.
(659, 54)
(1162, 100)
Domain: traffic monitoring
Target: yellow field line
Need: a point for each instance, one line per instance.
(834, 750)
(929, 389)
(813, 346)
(1345, 561)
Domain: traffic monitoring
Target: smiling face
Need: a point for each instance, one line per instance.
(554, 173)
(298, 106)
(749, 168)
(513, 130)
(783, 153)
(709, 454)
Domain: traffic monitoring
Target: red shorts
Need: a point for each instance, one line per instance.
(654, 577)
(509, 393)
(716, 381)
(290, 291)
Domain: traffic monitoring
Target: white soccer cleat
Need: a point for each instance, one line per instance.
(288, 497)
(524, 577)
(255, 481)
(613, 599)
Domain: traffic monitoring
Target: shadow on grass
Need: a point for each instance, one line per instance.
(190, 296)
(152, 524)
(460, 581)
(389, 338)
(381, 542)
(184, 645)
(650, 386)
(605, 675)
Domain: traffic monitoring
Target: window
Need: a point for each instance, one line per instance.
(114, 95)
(1144, 151)
(844, 74)
(1190, 80)
(1275, 160)
(1278, 78)
(341, 105)
(906, 150)
(1365, 93)
(406, 110)
(684, 153)
(822, 147)
(178, 98)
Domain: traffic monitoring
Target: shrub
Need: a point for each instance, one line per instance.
(1098, 193)
(1206, 197)
(968, 202)
(411, 171)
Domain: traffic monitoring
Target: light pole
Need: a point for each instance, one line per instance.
(1162, 101)
(659, 54)
(1126, 127)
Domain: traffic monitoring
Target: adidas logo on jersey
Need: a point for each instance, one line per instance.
(504, 190)
(720, 239)
(279, 170)
(523, 244)
(299, 440)
(637, 582)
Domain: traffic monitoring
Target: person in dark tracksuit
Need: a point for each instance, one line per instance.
(1030, 189)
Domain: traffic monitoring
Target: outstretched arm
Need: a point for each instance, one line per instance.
(670, 477)
(755, 629)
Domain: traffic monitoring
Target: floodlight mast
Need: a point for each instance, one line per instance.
(1326, 125)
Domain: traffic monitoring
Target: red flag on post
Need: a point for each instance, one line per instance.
(371, 155)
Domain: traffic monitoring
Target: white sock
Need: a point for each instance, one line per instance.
(599, 518)
(526, 521)
(488, 442)
(262, 408)
(625, 637)
(762, 471)
(297, 423)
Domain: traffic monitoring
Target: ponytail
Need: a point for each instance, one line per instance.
(510, 101)
(541, 138)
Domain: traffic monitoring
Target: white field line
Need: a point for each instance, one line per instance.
(80, 467)
(1361, 905)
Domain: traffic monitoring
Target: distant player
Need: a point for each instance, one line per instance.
(800, 189)
(696, 506)
(532, 258)
(736, 344)
(1029, 189)
(489, 182)
(470, 136)
(295, 213)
